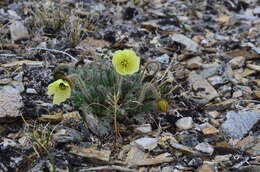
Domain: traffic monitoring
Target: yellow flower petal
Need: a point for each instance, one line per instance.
(61, 96)
(61, 90)
(126, 62)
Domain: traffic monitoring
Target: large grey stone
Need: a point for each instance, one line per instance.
(10, 102)
(239, 123)
(18, 31)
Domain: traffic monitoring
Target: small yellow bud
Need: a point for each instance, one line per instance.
(162, 105)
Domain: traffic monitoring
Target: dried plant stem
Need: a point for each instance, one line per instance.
(109, 168)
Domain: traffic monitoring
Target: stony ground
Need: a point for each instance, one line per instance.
(209, 51)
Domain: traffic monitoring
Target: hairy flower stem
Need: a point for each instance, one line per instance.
(82, 86)
(116, 98)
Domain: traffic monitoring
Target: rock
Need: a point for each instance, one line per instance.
(207, 128)
(146, 143)
(6, 143)
(221, 106)
(18, 31)
(209, 69)
(202, 87)
(245, 143)
(182, 148)
(31, 91)
(205, 148)
(67, 135)
(13, 15)
(217, 80)
(167, 169)
(245, 17)
(253, 67)
(182, 39)
(194, 63)
(184, 123)
(10, 102)
(250, 168)
(207, 167)
(239, 123)
(90, 45)
(255, 149)
(237, 62)
(135, 155)
(257, 10)
(91, 154)
(196, 162)
(163, 59)
(237, 94)
(21, 62)
(213, 114)
(222, 158)
(163, 158)
(145, 128)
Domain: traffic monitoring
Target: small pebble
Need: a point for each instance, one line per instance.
(184, 123)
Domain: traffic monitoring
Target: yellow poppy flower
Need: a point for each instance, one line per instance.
(60, 89)
(126, 62)
(162, 105)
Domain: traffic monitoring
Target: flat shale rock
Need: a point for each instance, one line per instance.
(202, 86)
(134, 156)
(189, 44)
(205, 148)
(145, 128)
(239, 123)
(250, 168)
(237, 62)
(91, 154)
(207, 167)
(18, 31)
(10, 102)
(210, 69)
(146, 143)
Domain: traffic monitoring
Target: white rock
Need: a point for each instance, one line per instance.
(145, 128)
(205, 148)
(146, 143)
(31, 91)
(18, 31)
(257, 10)
(184, 123)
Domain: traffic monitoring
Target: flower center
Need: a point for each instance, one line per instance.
(124, 63)
(62, 86)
